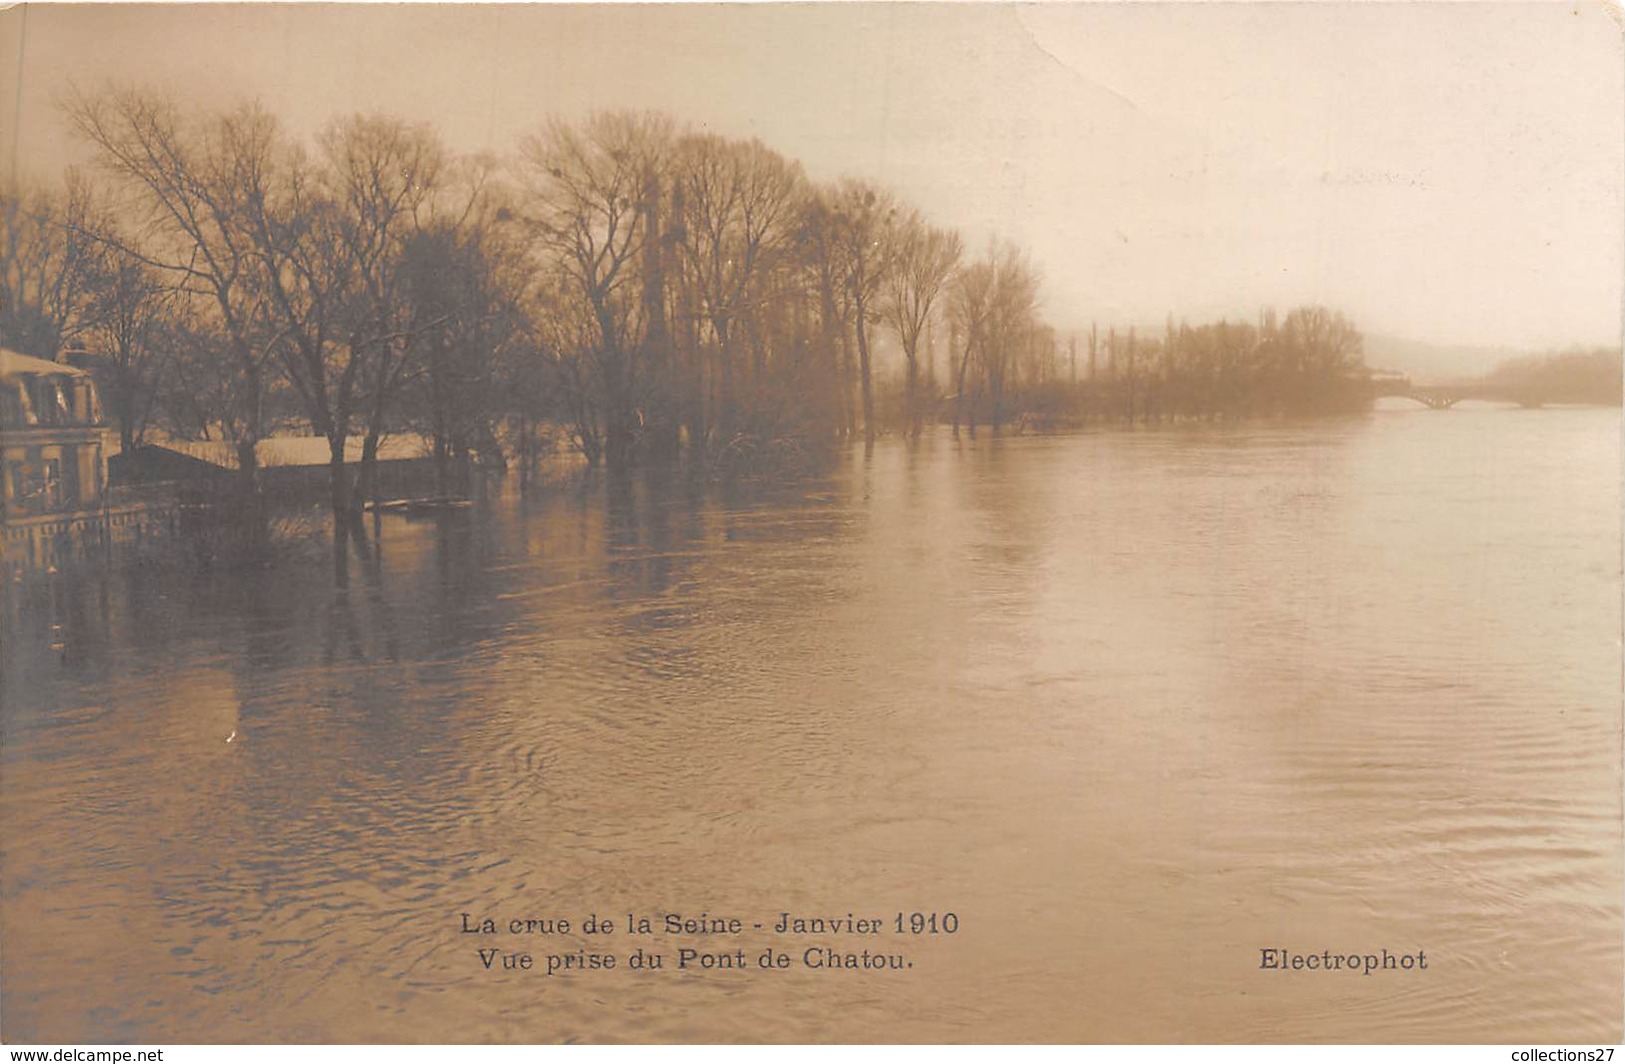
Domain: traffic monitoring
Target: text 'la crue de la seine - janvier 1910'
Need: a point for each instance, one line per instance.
(845, 942)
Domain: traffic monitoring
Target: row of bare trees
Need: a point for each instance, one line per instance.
(694, 287)
(280, 271)
(643, 286)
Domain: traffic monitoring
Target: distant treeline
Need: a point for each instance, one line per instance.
(1593, 376)
(633, 286)
(1308, 362)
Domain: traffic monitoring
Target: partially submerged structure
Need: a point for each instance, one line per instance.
(52, 440)
(289, 467)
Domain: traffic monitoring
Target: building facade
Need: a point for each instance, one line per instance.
(52, 463)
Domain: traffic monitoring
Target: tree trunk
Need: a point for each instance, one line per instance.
(959, 397)
(724, 414)
(865, 379)
(524, 454)
(341, 510)
(828, 376)
(911, 397)
(367, 483)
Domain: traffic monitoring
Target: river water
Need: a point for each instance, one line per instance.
(1132, 706)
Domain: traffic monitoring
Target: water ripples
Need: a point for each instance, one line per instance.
(1134, 705)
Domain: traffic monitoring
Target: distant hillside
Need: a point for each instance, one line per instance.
(1581, 376)
(1434, 363)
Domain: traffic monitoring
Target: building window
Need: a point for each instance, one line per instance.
(69, 494)
(51, 487)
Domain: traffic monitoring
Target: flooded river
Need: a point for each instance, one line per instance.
(1133, 707)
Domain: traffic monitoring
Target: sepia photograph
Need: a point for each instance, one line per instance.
(834, 523)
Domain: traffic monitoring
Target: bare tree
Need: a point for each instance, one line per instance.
(49, 258)
(1013, 302)
(463, 282)
(296, 231)
(585, 188)
(188, 185)
(382, 174)
(740, 208)
(823, 266)
(130, 322)
(970, 310)
(924, 258)
(864, 219)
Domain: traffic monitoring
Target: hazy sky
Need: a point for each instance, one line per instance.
(1446, 172)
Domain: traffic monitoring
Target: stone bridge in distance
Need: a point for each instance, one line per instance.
(1445, 396)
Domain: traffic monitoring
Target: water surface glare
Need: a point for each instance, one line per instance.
(1132, 705)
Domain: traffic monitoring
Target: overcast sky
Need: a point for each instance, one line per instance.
(1449, 173)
